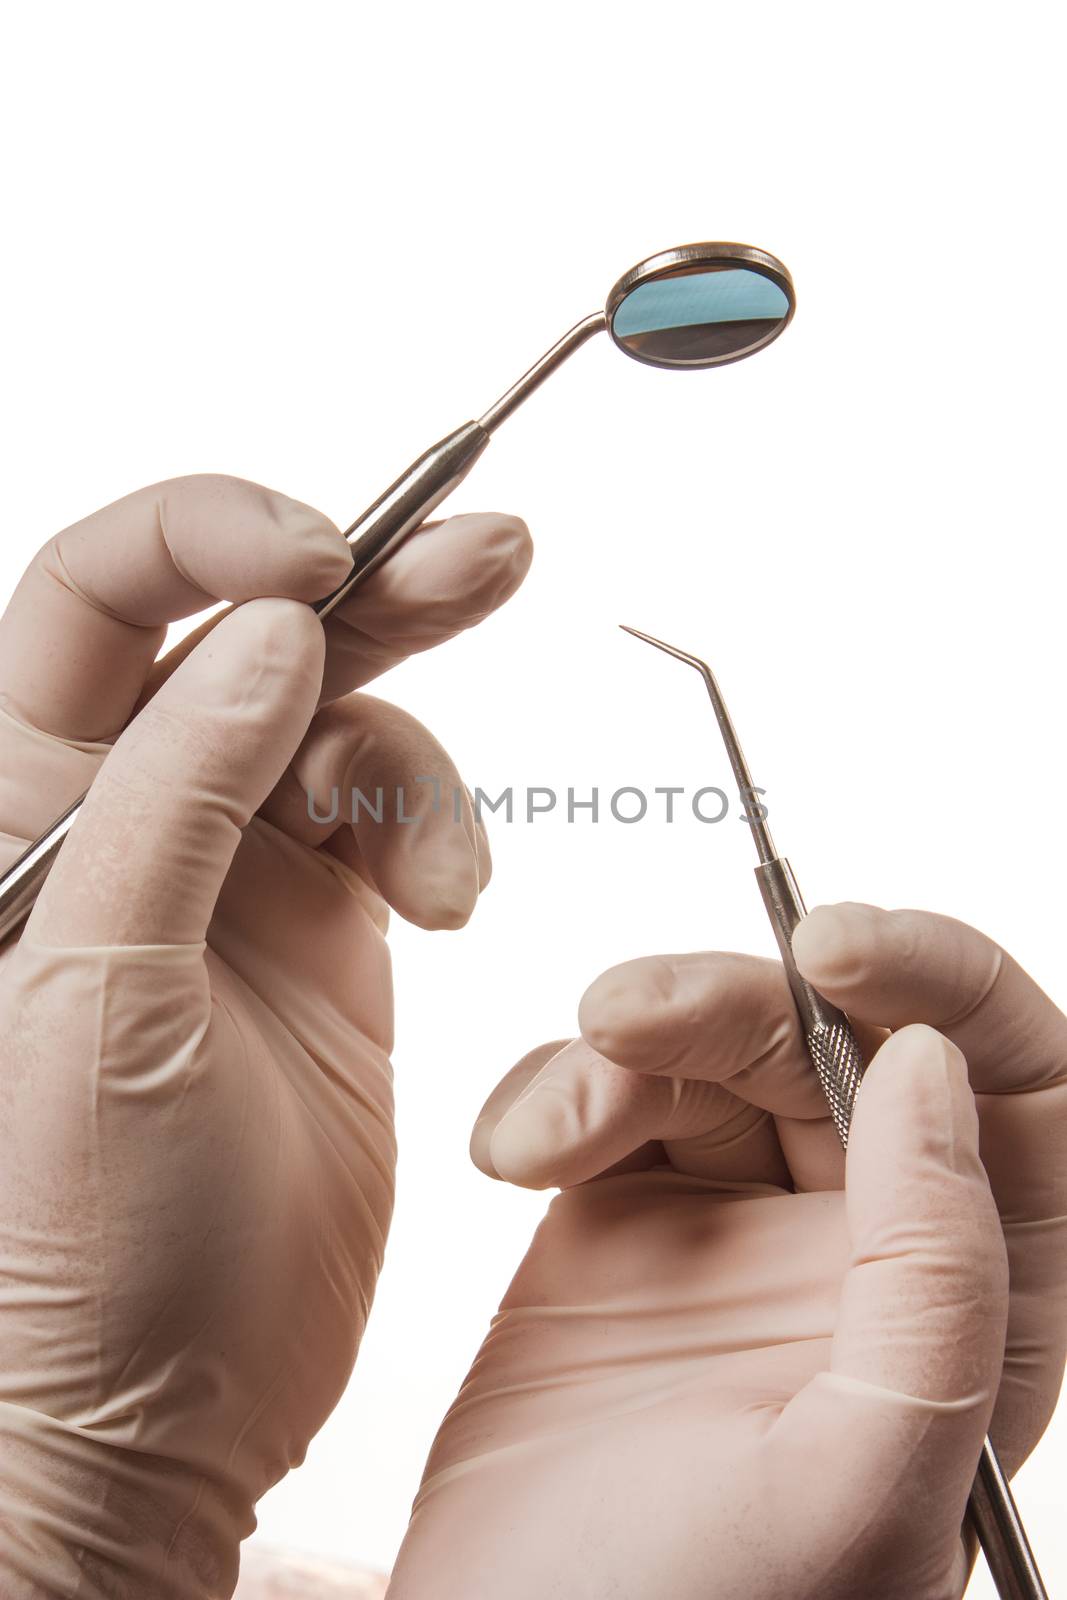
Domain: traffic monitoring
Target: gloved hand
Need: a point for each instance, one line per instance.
(197, 1169)
(727, 1367)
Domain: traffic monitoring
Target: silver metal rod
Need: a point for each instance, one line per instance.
(840, 1064)
(374, 536)
(596, 322)
(1000, 1531)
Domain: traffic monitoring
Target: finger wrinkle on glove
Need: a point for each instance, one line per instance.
(660, 1238)
(354, 884)
(735, 1122)
(343, 849)
(637, 1286)
(55, 569)
(490, 1421)
(20, 729)
(104, 1537)
(662, 1381)
(928, 1404)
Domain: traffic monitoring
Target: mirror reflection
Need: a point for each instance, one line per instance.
(696, 317)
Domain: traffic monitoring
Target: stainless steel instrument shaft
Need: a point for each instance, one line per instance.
(668, 336)
(839, 1061)
(373, 537)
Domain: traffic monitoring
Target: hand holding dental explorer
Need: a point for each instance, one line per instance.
(728, 1366)
(840, 1058)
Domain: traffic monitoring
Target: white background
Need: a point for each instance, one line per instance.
(299, 243)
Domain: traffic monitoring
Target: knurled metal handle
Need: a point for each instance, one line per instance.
(839, 1062)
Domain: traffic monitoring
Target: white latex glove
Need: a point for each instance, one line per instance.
(195, 1026)
(727, 1367)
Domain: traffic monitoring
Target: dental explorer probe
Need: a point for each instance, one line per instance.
(840, 1065)
(697, 305)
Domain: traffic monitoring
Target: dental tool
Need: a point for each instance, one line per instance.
(697, 305)
(840, 1064)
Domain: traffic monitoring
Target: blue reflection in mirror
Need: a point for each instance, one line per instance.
(696, 318)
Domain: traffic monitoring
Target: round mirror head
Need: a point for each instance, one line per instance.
(700, 305)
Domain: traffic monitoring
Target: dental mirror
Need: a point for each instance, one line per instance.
(700, 305)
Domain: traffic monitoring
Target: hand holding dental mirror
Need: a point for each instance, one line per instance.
(196, 1022)
(699, 305)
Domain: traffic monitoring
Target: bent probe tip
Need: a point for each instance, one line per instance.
(672, 650)
(754, 815)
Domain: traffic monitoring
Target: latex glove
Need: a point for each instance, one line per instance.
(720, 1375)
(195, 1026)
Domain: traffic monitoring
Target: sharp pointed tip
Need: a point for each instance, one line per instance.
(670, 649)
(647, 637)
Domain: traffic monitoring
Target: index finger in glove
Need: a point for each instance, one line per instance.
(576, 1116)
(711, 1015)
(89, 615)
